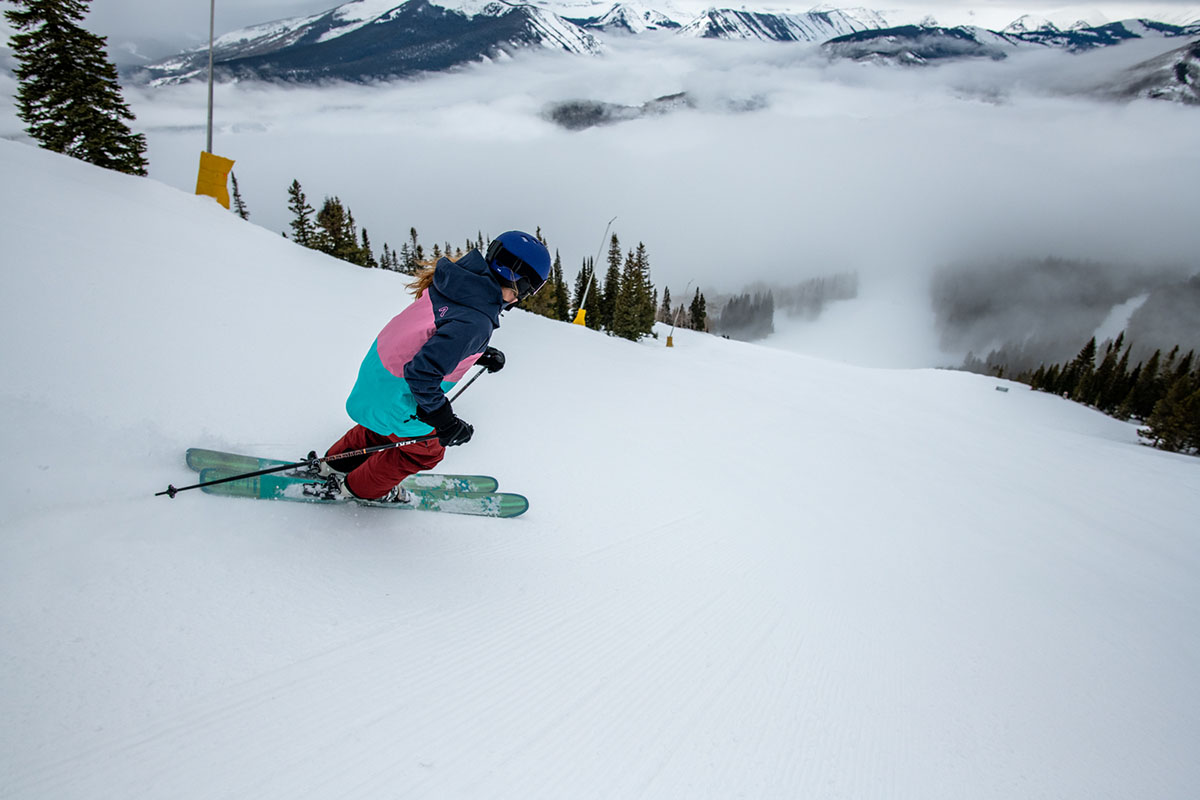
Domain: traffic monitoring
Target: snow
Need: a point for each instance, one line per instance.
(744, 571)
(1029, 23)
(734, 24)
(558, 34)
(273, 30)
(365, 10)
(1118, 319)
(634, 18)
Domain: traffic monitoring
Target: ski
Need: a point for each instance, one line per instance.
(302, 489)
(201, 459)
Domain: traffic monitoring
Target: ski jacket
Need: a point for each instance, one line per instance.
(427, 348)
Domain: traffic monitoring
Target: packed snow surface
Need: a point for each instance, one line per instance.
(744, 572)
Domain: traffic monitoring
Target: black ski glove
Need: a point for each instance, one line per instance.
(492, 360)
(450, 429)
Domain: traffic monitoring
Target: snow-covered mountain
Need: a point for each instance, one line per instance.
(629, 18)
(919, 44)
(916, 44)
(1171, 76)
(727, 23)
(1083, 38)
(376, 39)
(822, 581)
(367, 40)
(1028, 23)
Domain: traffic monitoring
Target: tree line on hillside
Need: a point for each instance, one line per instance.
(808, 299)
(1020, 313)
(1163, 393)
(747, 317)
(623, 303)
(750, 315)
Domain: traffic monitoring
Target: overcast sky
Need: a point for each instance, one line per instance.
(185, 22)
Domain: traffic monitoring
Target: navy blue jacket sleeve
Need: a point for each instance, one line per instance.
(454, 340)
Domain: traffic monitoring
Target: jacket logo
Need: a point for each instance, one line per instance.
(442, 311)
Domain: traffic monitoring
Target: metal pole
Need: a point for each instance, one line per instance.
(676, 316)
(587, 287)
(212, 17)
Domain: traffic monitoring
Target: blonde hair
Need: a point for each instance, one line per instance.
(422, 280)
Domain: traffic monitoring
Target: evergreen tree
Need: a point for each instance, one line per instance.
(645, 295)
(1125, 405)
(581, 277)
(1171, 421)
(1086, 386)
(1184, 366)
(753, 317)
(366, 258)
(303, 232)
(1191, 413)
(587, 290)
(664, 311)
(414, 254)
(624, 322)
(562, 301)
(1144, 393)
(1052, 375)
(698, 313)
(239, 205)
(607, 302)
(68, 94)
(1105, 373)
(1117, 387)
(1079, 371)
(335, 233)
(353, 247)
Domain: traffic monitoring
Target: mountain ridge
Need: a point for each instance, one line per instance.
(369, 40)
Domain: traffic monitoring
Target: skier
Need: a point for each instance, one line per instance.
(401, 388)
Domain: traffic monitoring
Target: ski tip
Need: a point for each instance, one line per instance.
(513, 505)
(194, 457)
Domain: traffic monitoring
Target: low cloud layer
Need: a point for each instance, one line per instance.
(836, 168)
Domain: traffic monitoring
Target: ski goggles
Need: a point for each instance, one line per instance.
(521, 277)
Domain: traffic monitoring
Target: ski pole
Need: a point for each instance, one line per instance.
(474, 378)
(313, 460)
(171, 491)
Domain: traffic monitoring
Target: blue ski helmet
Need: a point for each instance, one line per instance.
(519, 261)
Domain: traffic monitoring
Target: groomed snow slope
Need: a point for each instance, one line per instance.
(744, 572)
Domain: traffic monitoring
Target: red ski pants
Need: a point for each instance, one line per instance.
(372, 476)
